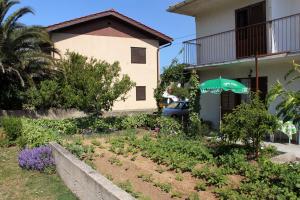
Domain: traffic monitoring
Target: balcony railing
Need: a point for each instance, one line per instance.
(271, 37)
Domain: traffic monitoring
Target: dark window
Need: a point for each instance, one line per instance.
(138, 55)
(140, 93)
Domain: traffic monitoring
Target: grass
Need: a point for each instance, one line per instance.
(16, 183)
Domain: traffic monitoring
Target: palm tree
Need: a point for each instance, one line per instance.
(289, 106)
(25, 51)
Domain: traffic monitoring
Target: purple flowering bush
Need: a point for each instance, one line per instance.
(39, 158)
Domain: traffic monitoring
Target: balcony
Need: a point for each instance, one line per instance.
(268, 38)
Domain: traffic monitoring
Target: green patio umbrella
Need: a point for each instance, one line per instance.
(217, 86)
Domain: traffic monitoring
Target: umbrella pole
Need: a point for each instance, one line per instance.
(220, 112)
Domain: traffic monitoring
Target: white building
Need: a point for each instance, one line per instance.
(229, 35)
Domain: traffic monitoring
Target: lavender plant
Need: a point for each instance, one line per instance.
(39, 158)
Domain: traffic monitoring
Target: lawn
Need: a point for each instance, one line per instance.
(16, 183)
(153, 167)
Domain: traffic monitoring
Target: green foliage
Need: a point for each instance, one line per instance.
(289, 106)
(44, 96)
(12, 127)
(115, 161)
(165, 187)
(176, 194)
(212, 175)
(179, 177)
(65, 127)
(34, 135)
(96, 142)
(25, 50)
(83, 152)
(200, 186)
(180, 92)
(169, 126)
(174, 73)
(127, 186)
(88, 84)
(194, 93)
(193, 196)
(146, 177)
(240, 124)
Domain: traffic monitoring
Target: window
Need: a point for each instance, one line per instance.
(140, 93)
(138, 55)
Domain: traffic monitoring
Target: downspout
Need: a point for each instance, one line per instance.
(157, 57)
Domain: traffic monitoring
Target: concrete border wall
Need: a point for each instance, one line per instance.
(82, 180)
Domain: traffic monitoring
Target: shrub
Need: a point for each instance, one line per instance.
(165, 187)
(193, 196)
(200, 186)
(249, 122)
(169, 126)
(212, 175)
(38, 158)
(34, 135)
(12, 127)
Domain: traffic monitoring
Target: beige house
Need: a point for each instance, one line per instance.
(230, 34)
(111, 36)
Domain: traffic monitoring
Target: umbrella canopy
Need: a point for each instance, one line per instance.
(217, 86)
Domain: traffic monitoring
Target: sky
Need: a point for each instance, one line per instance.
(149, 12)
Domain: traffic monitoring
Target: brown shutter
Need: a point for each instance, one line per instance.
(138, 55)
(140, 93)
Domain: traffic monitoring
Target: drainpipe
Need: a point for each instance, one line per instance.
(158, 66)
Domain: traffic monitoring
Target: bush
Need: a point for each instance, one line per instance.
(36, 159)
(34, 135)
(169, 126)
(12, 127)
(249, 123)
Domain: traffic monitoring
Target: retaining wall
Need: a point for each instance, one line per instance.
(82, 180)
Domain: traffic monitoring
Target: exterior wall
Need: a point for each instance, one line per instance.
(113, 49)
(218, 22)
(220, 19)
(274, 70)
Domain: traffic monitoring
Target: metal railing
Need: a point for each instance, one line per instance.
(271, 37)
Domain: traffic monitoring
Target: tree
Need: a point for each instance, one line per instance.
(25, 51)
(174, 73)
(289, 106)
(249, 123)
(87, 84)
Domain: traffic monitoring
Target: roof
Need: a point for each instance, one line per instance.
(164, 39)
(173, 8)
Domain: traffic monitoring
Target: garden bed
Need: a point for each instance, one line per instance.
(151, 167)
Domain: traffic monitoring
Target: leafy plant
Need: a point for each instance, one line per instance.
(169, 126)
(165, 187)
(176, 194)
(212, 175)
(127, 186)
(240, 124)
(179, 177)
(200, 186)
(96, 142)
(115, 161)
(146, 177)
(193, 196)
(289, 106)
(12, 127)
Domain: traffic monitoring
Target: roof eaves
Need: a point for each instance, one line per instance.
(179, 5)
(114, 13)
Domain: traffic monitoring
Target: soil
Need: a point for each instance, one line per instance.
(131, 169)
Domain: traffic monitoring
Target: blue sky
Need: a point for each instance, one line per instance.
(150, 12)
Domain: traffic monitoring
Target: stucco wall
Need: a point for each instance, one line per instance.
(113, 49)
(218, 19)
(273, 69)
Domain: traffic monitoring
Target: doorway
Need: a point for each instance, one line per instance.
(230, 100)
(251, 36)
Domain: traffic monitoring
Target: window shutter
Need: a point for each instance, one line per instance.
(138, 55)
(140, 93)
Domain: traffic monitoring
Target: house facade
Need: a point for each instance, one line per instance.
(252, 41)
(111, 36)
